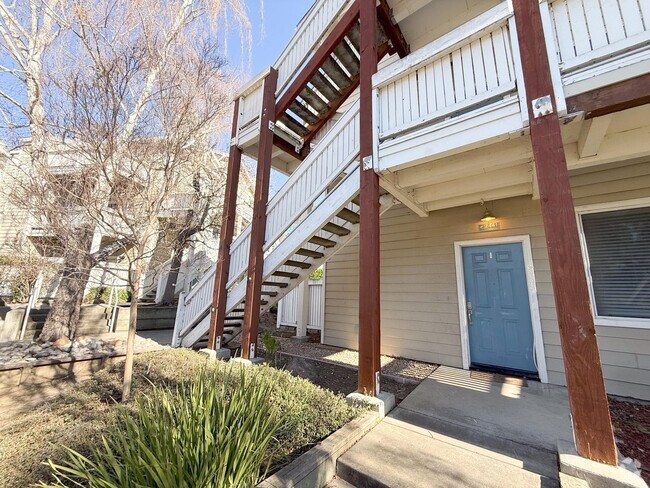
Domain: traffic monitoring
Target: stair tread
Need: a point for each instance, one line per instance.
(310, 253)
(346, 55)
(275, 283)
(336, 73)
(294, 125)
(339, 230)
(286, 274)
(297, 264)
(321, 241)
(303, 112)
(324, 86)
(349, 215)
(315, 101)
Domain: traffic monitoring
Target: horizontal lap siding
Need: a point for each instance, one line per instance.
(418, 288)
(625, 352)
(419, 306)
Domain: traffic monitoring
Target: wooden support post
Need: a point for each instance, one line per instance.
(369, 318)
(218, 312)
(587, 398)
(258, 231)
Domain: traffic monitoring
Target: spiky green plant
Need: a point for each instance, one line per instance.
(210, 433)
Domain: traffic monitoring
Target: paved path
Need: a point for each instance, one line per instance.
(454, 431)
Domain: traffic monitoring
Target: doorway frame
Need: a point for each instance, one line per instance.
(533, 301)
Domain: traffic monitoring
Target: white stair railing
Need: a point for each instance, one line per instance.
(294, 204)
(311, 31)
(324, 164)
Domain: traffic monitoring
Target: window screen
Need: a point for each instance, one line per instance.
(618, 244)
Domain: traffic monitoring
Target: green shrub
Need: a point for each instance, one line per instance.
(102, 295)
(212, 433)
(317, 274)
(87, 412)
(271, 345)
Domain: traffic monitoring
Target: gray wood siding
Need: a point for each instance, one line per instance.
(419, 304)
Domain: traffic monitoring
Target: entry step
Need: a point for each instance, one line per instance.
(339, 483)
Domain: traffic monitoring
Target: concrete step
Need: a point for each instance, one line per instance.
(415, 450)
(567, 481)
(339, 483)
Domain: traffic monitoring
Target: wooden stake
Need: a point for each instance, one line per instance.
(218, 312)
(587, 397)
(258, 231)
(369, 299)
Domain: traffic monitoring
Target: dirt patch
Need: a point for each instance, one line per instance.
(631, 421)
(404, 368)
(338, 379)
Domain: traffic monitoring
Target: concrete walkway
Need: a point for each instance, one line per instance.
(456, 431)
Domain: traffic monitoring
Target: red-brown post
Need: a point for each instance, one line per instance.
(218, 312)
(258, 231)
(369, 318)
(587, 397)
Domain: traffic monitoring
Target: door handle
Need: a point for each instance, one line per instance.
(470, 313)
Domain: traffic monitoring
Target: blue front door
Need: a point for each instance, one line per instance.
(498, 309)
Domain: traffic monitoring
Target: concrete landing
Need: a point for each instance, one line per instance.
(536, 415)
(456, 431)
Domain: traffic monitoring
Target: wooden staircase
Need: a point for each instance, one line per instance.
(311, 218)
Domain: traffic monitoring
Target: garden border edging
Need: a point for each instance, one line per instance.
(317, 467)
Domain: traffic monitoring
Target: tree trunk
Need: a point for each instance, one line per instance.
(64, 314)
(175, 267)
(130, 341)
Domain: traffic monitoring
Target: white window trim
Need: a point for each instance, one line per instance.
(600, 208)
(524, 240)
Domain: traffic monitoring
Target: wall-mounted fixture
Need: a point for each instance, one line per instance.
(488, 216)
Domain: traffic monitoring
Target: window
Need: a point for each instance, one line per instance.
(617, 245)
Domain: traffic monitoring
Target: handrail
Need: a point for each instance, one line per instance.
(275, 228)
(303, 187)
(444, 44)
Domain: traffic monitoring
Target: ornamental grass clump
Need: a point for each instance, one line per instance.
(212, 432)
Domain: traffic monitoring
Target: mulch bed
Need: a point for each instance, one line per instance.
(339, 379)
(632, 431)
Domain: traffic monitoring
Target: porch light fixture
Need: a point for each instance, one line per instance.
(487, 215)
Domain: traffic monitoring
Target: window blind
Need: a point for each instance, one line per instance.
(618, 244)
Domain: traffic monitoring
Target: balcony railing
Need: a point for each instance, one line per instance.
(465, 68)
(589, 31)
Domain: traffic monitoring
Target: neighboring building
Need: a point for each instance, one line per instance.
(493, 255)
(22, 235)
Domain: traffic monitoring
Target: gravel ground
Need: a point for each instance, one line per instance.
(25, 353)
(632, 431)
(405, 368)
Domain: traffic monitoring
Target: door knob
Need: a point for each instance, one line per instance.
(470, 312)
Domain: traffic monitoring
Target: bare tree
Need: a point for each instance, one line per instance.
(200, 212)
(141, 100)
(128, 52)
